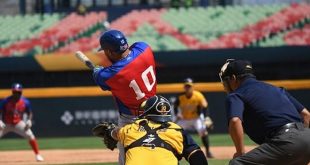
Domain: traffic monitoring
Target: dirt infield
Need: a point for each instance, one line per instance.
(26, 157)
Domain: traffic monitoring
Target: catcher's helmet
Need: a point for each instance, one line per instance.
(114, 41)
(239, 68)
(156, 108)
(17, 87)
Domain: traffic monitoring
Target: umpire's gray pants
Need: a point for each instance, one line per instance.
(291, 147)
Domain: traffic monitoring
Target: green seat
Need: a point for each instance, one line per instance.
(149, 34)
(210, 22)
(31, 26)
(276, 40)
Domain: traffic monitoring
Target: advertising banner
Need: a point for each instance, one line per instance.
(76, 116)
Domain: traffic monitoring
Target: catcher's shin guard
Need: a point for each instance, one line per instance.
(197, 158)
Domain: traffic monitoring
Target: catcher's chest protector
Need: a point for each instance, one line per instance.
(152, 140)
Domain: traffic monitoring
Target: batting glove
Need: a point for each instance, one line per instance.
(96, 71)
(209, 123)
(28, 124)
(2, 125)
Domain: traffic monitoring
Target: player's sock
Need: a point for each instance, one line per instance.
(34, 145)
(205, 141)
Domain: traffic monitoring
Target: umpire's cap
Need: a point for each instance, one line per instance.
(17, 87)
(156, 108)
(239, 68)
(114, 41)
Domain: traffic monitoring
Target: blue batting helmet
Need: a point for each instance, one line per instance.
(114, 41)
(17, 87)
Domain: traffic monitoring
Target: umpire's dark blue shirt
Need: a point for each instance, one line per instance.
(262, 108)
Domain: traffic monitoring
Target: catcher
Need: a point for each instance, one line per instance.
(152, 136)
(191, 111)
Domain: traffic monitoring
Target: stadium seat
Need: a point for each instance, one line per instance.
(210, 23)
(282, 20)
(204, 28)
(31, 26)
(59, 34)
(298, 36)
(164, 29)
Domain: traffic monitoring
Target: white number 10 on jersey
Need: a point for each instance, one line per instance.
(149, 86)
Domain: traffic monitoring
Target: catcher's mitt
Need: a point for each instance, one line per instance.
(104, 130)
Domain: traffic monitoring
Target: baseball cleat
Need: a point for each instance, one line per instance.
(210, 155)
(39, 158)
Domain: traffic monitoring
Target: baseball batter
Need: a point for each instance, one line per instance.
(269, 115)
(131, 78)
(153, 139)
(191, 108)
(12, 110)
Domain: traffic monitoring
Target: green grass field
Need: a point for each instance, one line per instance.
(93, 142)
(96, 143)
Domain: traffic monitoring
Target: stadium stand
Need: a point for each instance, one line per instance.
(298, 36)
(138, 25)
(158, 42)
(172, 29)
(32, 25)
(212, 23)
(83, 44)
(280, 21)
(68, 29)
(272, 41)
(214, 27)
(166, 35)
(294, 37)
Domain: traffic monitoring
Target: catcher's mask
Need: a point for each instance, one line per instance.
(156, 108)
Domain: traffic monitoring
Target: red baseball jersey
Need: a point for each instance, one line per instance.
(12, 111)
(131, 79)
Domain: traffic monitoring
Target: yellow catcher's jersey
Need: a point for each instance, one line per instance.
(151, 156)
(189, 106)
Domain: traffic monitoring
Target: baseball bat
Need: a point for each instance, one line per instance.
(82, 57)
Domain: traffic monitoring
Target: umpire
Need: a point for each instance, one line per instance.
(269, 115)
